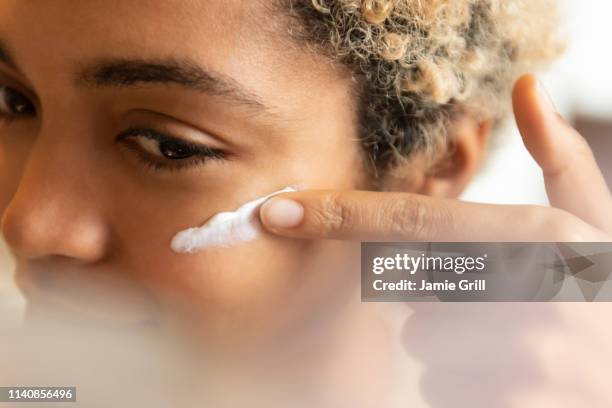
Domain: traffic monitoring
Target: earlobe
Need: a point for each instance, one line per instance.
(453, 170)
(451, 175)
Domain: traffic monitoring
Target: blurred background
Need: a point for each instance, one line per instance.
(581, 86)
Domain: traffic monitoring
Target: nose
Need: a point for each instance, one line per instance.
(53, 212)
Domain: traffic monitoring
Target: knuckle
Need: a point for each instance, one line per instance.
(410, 218)
(332, 216)
(585, 153)
(582, 147)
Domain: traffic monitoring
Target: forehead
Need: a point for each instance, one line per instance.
(179, 19)
(63, 32)
(130, 25)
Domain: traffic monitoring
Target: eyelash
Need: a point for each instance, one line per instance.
(196, 154)
(200, 154)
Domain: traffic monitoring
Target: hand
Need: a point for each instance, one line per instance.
(511, 354)
(525, 354)
(579, 197)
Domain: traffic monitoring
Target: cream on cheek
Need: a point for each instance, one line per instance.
(224, 229)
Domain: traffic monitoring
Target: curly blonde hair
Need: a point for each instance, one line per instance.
(417, 63)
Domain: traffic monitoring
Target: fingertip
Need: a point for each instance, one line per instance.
(525, 101)
(535, 115)
(281, 213)
(523, 89)
(546, 135)
(532, 103)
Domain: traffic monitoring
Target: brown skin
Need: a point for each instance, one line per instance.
(79, 210)
(85, 218)
(89, 224)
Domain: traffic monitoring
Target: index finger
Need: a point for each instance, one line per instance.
(385, 216)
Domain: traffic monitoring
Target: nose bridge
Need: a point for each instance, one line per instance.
(54, 211)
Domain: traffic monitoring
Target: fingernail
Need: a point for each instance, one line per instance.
(281, 213)
(545, 97)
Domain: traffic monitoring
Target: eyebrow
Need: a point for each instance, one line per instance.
(125, 73)
(137, 72)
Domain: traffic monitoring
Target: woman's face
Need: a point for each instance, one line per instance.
(125, 122)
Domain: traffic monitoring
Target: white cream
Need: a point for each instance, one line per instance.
(224, 229)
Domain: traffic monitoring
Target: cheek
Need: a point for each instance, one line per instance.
(335, 162)
(250, 292)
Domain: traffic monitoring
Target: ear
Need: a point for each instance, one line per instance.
(449, 176)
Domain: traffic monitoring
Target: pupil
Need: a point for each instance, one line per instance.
(18, 103)
(175, 151)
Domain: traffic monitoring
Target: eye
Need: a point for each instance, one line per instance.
(162, 151)
(14, 104)
(168, 149)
